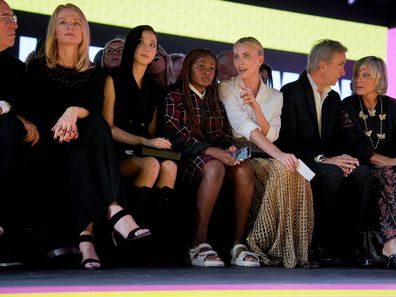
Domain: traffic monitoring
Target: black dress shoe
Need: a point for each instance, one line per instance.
(323, 258)
(391, 262)
(356, 258)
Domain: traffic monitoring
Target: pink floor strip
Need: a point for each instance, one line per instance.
(132, 288)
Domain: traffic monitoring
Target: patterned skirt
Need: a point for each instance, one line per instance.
(192, 168)
(282, 216)
(385, 189)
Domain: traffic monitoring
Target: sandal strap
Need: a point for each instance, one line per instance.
(202, 250)
(243, 254)
(206, 253)
(200, 253)
(86, 238)
(132, 235)
(200, 247)
(89, 260)
(116, 217)
(238, 246)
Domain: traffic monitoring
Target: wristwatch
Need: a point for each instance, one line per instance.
(319, 158)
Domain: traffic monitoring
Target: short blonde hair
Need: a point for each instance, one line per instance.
(377, 69)
(252, 41)
(51, 44)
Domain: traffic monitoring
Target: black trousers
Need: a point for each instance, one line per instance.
(13, 156)
(340, 205)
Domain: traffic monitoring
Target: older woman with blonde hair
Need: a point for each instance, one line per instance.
(369, 126)
(282, 212)
(112, 54)
(66, 94)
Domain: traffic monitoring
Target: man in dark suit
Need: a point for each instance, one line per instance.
(14, 130)
(311, 130)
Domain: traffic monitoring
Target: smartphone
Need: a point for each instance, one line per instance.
(243, 153)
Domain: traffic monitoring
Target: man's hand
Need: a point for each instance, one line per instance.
(345, 162)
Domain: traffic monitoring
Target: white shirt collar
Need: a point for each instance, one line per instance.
(324, 92)
(200, 95)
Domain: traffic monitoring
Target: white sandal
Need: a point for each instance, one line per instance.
(199, 254)
(240, 259)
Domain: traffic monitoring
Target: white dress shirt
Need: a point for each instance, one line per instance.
(319, 99)
(242, 117)
(198, 93)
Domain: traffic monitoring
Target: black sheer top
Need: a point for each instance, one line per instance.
(362, 132)
(49, 92)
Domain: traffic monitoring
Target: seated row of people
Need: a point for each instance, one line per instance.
(87, 129)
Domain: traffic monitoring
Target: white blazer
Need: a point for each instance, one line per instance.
(242, 117)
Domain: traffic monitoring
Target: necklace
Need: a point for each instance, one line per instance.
(372, 113)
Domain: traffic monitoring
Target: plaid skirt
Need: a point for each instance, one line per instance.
(192, 168)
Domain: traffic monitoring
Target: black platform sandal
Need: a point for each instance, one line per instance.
(89, 238)
(132, 235)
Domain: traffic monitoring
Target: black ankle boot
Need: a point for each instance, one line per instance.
(165, 201)
(140, 204)
(159, 208)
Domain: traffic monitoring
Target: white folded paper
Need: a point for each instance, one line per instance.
(304, 170)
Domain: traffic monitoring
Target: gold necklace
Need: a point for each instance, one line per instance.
(363, 116)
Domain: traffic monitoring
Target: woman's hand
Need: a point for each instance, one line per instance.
(248, 97)
(289, 160)
(32, 133)
(223, 155)
(159, 142)
(65, 128)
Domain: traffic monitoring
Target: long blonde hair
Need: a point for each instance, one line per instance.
(51, 44)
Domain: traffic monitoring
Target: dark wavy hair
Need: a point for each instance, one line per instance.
(211, 91)
(131, 44)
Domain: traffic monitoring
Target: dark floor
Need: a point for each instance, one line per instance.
(193, 276)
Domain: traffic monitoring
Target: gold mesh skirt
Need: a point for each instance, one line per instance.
(281, 221)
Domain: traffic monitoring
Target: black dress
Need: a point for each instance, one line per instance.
(356, 125)
(134, 108)
(81, 175)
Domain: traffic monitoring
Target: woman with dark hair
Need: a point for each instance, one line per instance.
(266, 74)
(130, 108)
(65, 92)
(369, 126)
(196, 124)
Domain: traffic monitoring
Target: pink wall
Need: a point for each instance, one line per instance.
(391, 63)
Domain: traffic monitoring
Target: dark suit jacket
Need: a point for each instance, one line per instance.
(11, 72)
(299, 133)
